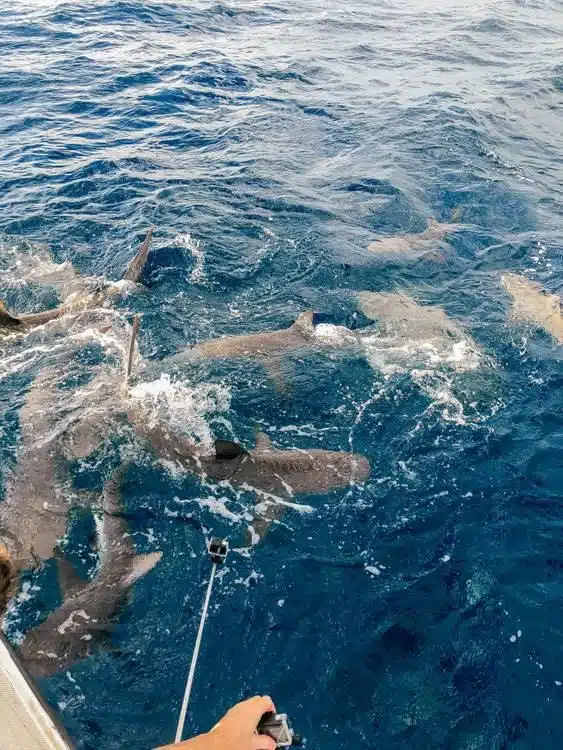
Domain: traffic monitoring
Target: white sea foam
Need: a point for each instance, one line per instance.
(334, 335)
(218, 506)
(432, 364)
(183, 406)
(195, 247)
(27, 262)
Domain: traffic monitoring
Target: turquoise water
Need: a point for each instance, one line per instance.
(269, 144)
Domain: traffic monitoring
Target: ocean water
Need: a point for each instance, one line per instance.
(269, 143)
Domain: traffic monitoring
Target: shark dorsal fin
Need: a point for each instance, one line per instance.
(304, 323)
(135, 268)
(228, 449)
(6, 318)
(140, 566)
(263, 442)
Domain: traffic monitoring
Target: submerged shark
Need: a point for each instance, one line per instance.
(414, 243)
(33, 514)
(83, 293)
(268, 348)
(72, 631)
(419, 340)
(532, 303)
(400, 314)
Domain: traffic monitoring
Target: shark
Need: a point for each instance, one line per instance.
(275, 475)
(33, 514)
(420, 243)
(423, 342)
(83, 293)
(398, 313)
(72, 631)
(39, 493)
(268, 348)
(533, 304)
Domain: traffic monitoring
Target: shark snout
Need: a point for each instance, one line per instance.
(344, 469)
(360, 468)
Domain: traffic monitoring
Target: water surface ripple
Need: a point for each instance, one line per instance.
(269, 143)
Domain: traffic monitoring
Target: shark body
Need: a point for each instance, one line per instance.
(533, 304)
(405, 244)
(72, 631)
(82, 293)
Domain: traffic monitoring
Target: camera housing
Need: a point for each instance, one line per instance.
(277, 727)
(218, 550)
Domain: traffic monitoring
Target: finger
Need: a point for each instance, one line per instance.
(261, 742)
(249, 712)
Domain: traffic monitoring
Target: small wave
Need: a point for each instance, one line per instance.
(195, 247)
(182, 406)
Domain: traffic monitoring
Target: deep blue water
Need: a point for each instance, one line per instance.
(283, 138)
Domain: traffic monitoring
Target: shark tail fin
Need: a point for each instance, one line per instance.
(6, 318)
(135, 268)
(140, 566)
(304, 323)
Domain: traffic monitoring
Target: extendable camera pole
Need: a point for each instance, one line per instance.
(218, 549)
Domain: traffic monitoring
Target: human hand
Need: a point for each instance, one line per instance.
(236, 730)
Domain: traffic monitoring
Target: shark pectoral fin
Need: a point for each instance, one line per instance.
(304, 323)
(263, 442)
(265, 515)
(6, 317)
(141, 565)
(135, 268)
(227, 449)
(70, 582)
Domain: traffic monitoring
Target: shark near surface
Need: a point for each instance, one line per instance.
(40, 496)
(82, 293)
(34, 515)
(533, 304)
(71, 632)
(413, 245)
